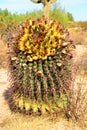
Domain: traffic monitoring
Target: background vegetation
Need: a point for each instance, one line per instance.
(56, 13)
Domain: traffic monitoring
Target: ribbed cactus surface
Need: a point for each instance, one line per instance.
(41, 66)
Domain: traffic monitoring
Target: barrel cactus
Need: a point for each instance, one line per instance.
(40, 65)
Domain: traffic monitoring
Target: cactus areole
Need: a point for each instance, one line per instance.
(40, 64)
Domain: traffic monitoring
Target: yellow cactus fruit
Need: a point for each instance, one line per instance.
(33, 27)
(60, 104)
(54, 108)
(16, 100)
(24, 38)
(47, 51)
(30, 22)
(26, 30)
(29, 58)
(34, 107)
(45, 109)
(27, 105)
(43, 58)
(54, 44)
(65, 43)
(21, 102)
(64, 51)
(59, 35)
(59, 64)
(51, 21)
(27, 44)
(34, 57)
(21, 46)
(53, 51)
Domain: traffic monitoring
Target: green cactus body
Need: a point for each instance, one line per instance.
(41, 66)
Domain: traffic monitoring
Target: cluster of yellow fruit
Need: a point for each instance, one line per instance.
(30, 105)
(36, 107)
(40, 39)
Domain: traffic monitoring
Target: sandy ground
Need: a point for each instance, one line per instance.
(4, 108)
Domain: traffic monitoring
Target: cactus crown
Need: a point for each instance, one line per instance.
(40, 39)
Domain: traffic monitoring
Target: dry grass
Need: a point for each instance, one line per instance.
(78, 99)
(78, 36)
(78, 24)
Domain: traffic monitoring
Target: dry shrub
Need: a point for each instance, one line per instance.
(77, 107)
(3, 57)
(78, 35)
(2, 27)
(78, 24)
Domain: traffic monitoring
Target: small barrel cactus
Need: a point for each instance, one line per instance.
(41, 66)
